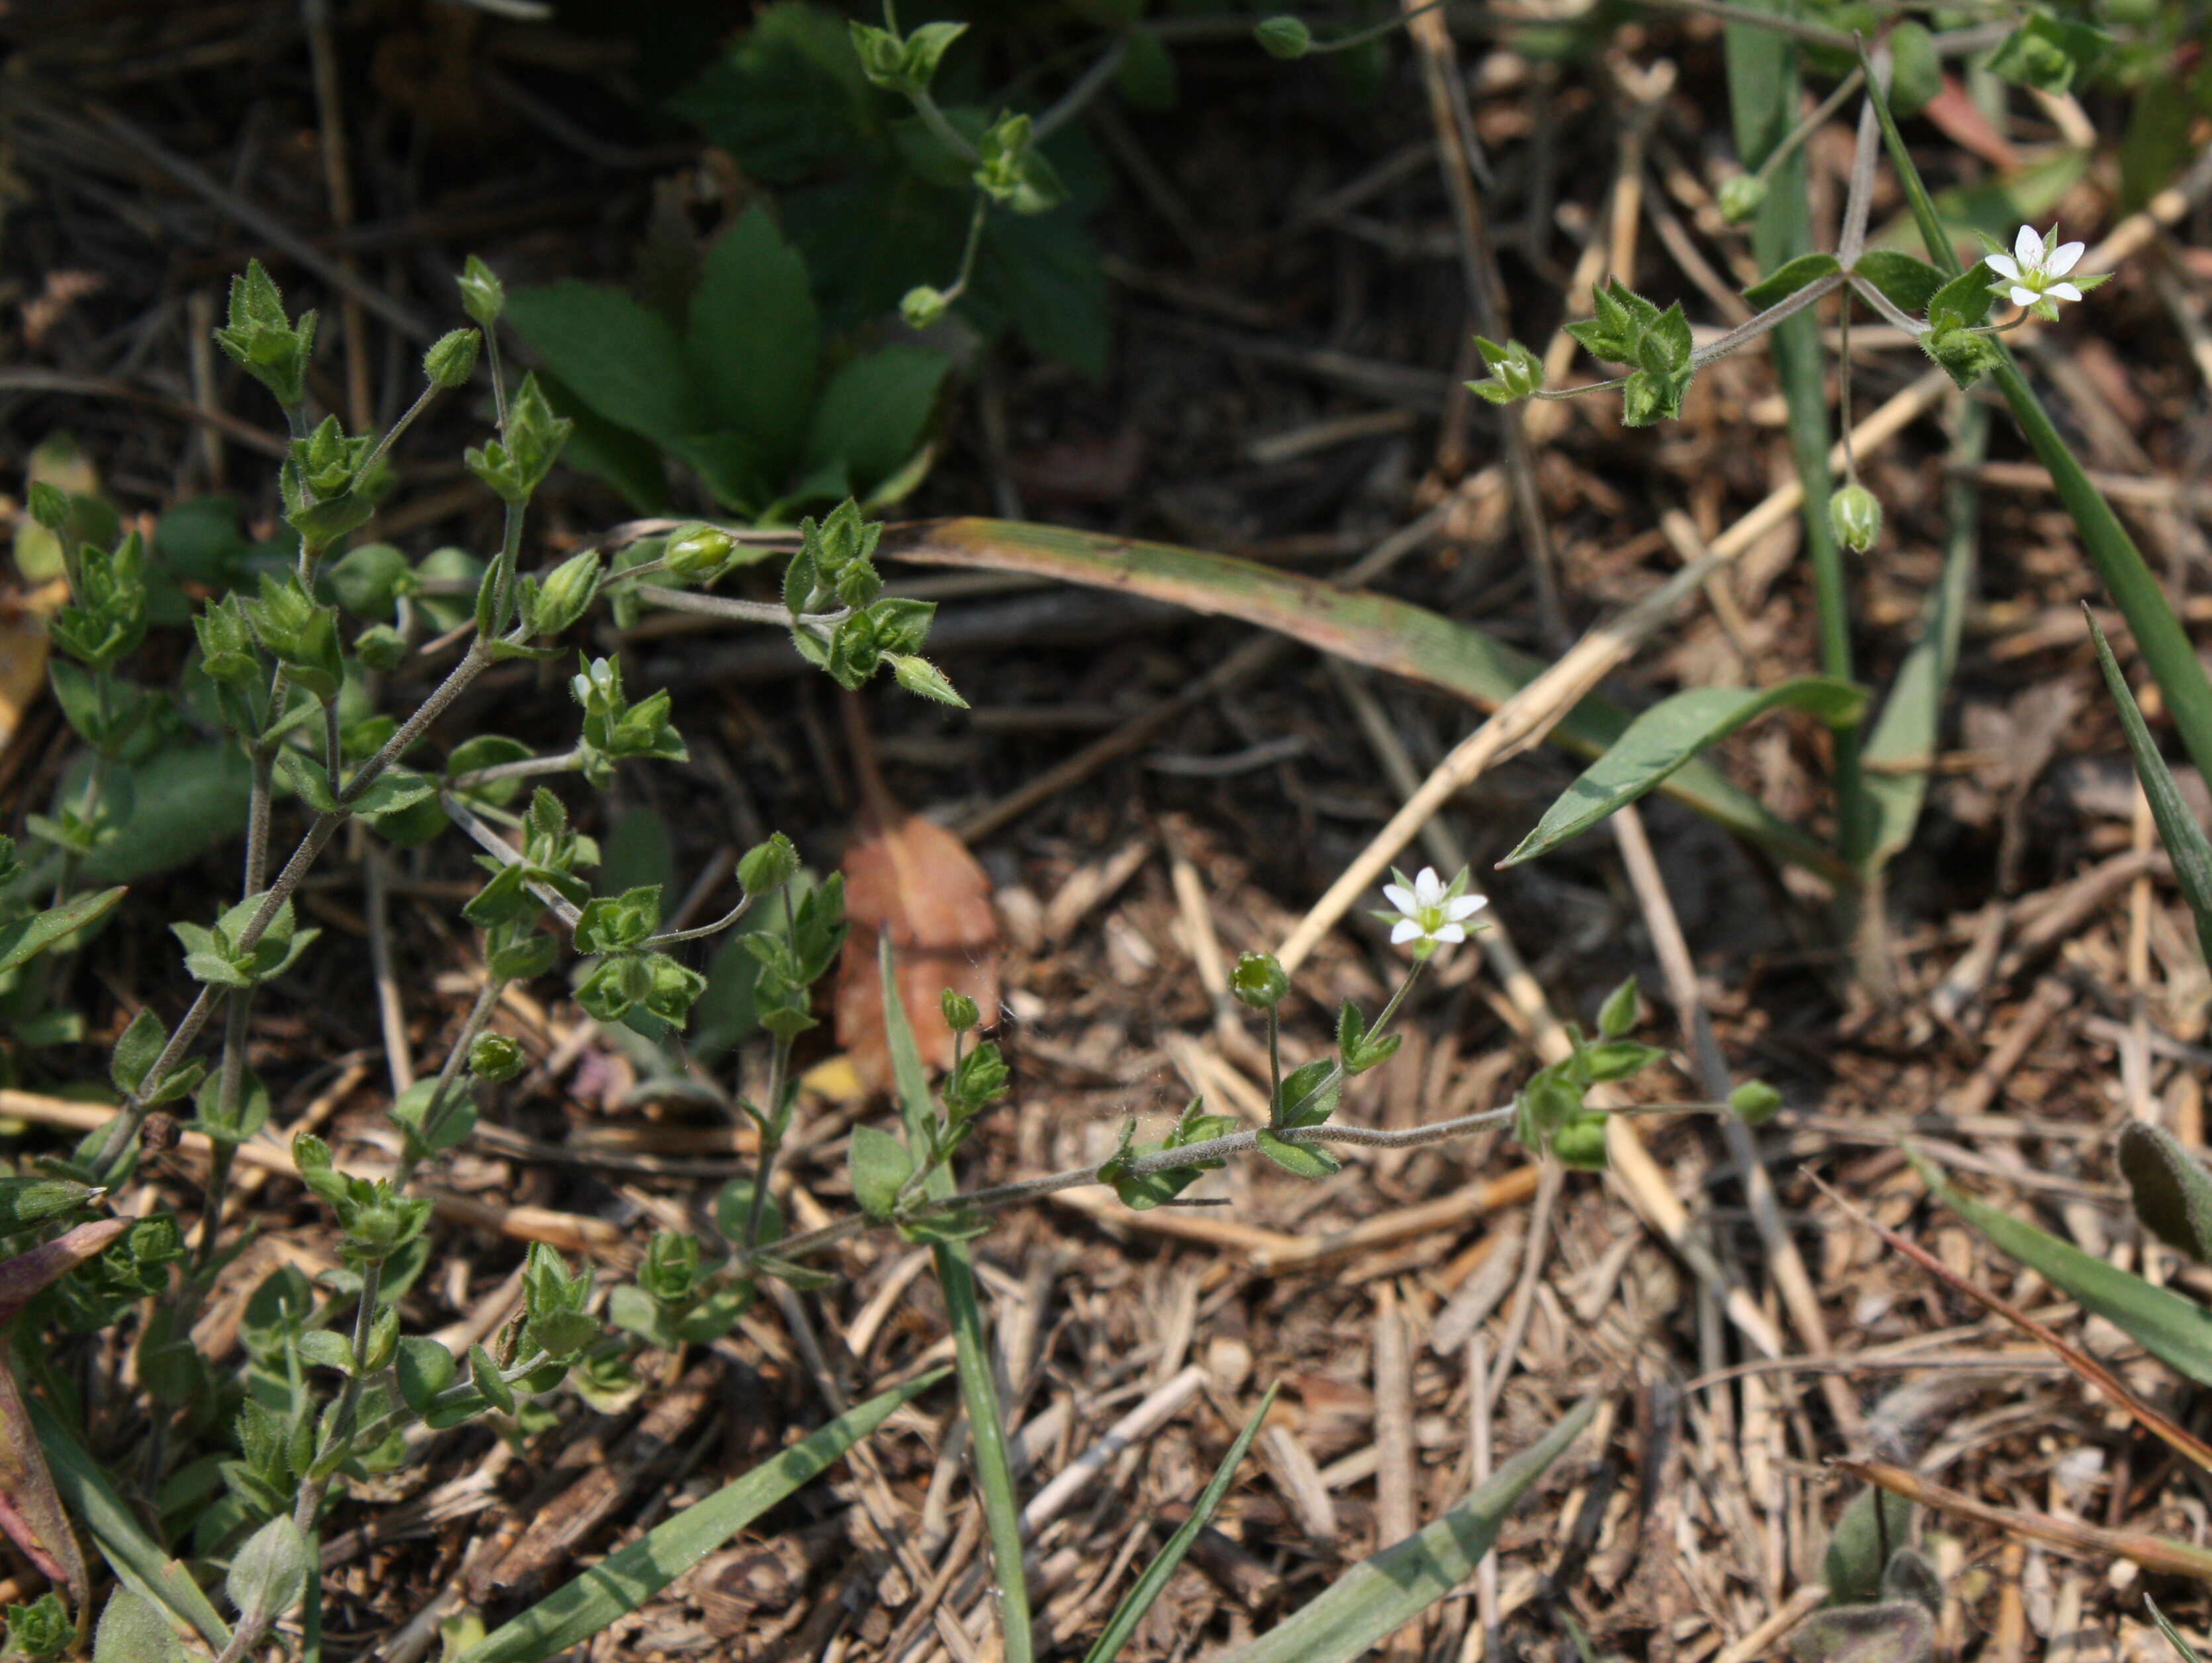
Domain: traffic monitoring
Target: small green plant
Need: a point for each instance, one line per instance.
(740, 389)
(292, 651)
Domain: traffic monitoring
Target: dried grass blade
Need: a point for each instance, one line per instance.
(2182, 1439)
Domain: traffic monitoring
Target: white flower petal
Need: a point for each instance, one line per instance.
(2027, 247)
(2003, 265)
(2061, 260)
(1406, 931)
(1447, 932)
(2023, 296)
(1428, 887)
(1402, 898)
(2063, 291)
(1465, 906)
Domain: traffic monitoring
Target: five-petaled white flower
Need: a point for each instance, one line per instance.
(2033, 270)
(1430, 911)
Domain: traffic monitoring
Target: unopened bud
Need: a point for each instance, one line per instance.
(1284, 37)
(960, 1011)
(1259, 981)
(922, 305)
(495, 1056)
(452, 358)
(1741, 195)
(1855, 516)
(697, 551)
(769, 865)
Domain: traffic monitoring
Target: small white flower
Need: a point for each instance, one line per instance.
(2034, 269)
(1429, 912)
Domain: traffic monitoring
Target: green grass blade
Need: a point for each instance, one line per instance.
(956, 1275)
(1139, 1601)
(626, 1579)
(1382, 1593)
(2185, 839)
(1764, 96)
(2127, 578)
(1911, 716)
(2181, 1647)
(139, 1562)
(1940, 251)
(2176, 1331)
(28, 937)
(1664, 739)
(1356, 625)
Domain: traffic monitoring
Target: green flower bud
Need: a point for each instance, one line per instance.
(482, 296)
(50, 506)
(560, 600)
(452, 358)
(922, 305)
(1259, 981)
(1742, 196)
(1855, 516)
(495, 1056)
(1755, 1102)
(1284, 37)
(227, 648)
(380, 646)
(698, 552)
(1581, 1143)
(960, 1011)
(769, 865)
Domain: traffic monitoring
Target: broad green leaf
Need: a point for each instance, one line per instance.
(1382, 1593)
(142, 1564)
(1355, 625)
(873, 414)
(1149, 1587)
(628, 461)
(186, 800)
(132, 1630)
(2169, 1188)
(25, 1201)
(1666, 737)
(2185, 839)
(1792, 277)
(880, 1166)
(1303, 1160)
(624, 361)
(26, 938)
(1909, 283)
(2176, 1331)
(971, 1354)
(755, 339)
(626, 1579)
(1860, 1545)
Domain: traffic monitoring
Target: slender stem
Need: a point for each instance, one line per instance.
(494, 846)
(747, 611)
(728, 920)
(1274, 1069)
(1071, 103)
(1173, 1160)
(1359, 38)
(1754, 17)
(487, 1001)
(967, 253)
(1811, 124)
(330, 748)
(771, 1123)
(945, 132)
(771, 1141)
(522, 768)
(498, 377)
(375, 457)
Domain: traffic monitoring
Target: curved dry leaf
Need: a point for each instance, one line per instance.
(918, 881)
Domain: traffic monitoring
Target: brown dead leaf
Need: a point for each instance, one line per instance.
(919, 881)
(23, 650)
